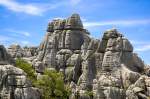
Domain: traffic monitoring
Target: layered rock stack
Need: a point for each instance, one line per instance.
(61, 47)
(120, 67)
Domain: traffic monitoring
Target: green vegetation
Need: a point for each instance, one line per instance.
(50, 83)
(22, 64)
(89, 93)
(53, 86)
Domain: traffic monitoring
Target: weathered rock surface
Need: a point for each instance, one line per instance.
(4, 56)
(16, 51)
(13, 81)
(107, 67)
(61, 47)
(95, 69)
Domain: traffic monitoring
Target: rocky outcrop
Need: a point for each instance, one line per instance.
(16, 51)
(95, 69)
(114, 68)
(117, 69)
(61, 47)
(13, 81)
(108, 67)
(29, 51)
(5, 58)
(15, 85)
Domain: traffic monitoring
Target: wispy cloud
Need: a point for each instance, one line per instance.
(143, 48)
(18, 32)
(137, 42)
(33, 8)
(13, 36)
(117, 22)
(18, 7)
(8, 40)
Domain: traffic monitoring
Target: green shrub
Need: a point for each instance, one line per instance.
(24, 65)
(52, 85)
(89, 93)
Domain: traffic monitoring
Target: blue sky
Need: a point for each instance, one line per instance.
(25, 21)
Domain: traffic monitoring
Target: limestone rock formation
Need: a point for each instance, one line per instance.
(104, 68)
(16, 51)
(61, 47)
(13, 81)
(29, 51)
(4, 56)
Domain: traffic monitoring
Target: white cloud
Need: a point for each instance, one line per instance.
(143, 48)
(24, 33)
(15, 36)
(117, 22)
(8, 40)
(35, 8)
(18, 7)
(136, 42)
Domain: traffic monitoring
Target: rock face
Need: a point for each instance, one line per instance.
(61, 47)
(107, 67)
(16, 51)
(13, 81)
(4, 56)
(95, 69)
(118, 67)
